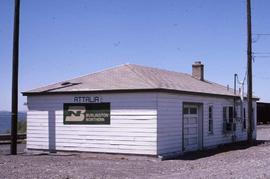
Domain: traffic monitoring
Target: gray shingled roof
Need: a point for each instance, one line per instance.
(134, 77)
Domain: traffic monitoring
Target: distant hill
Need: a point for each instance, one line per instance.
(5, 120)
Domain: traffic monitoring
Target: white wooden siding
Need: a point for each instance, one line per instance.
(169, 125)
(141, 123)
(132, 129)
(170, 121)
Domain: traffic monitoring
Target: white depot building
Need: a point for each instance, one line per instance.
(134, 109)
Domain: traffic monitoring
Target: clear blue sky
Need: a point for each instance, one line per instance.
(62, 39)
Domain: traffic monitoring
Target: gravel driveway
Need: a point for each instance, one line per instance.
(229, 162)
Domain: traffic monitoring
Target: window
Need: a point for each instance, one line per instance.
(190, 110)
(230, 114)
(210, 119)
(244, 119)
(228, 124)
(193, 110)
(185, 110)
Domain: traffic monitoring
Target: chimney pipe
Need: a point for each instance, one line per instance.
(198, 70)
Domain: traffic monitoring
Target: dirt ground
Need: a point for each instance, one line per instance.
(227, 162)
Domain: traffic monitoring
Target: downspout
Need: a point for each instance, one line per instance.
(234, 111)
(234, 98)
(242, 104)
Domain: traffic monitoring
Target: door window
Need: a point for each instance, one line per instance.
(193, 110)
(185, 110)
(190, 110)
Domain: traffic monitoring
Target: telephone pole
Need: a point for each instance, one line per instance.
(15, 67)
(249, 74)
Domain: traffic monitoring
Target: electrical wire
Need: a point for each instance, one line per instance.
(262, 56)
(245, 77)
(262, 34)
(261, 53)
(258, 36)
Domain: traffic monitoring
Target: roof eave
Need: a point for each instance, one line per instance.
(128, 91)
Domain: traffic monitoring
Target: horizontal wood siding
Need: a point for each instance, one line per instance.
(170, 121)
(169, 124)
(133, 127)
(141, 123)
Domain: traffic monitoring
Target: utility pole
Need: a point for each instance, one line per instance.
(249, 74)
(15, 67)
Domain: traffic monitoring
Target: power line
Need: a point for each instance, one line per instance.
(262, 56)
(242, 82)
(258, 36)
(261, 53)
(262, 34)
(261, 77)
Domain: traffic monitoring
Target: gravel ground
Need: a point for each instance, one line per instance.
(228, 162)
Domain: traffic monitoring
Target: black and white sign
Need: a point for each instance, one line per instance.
(87, 113)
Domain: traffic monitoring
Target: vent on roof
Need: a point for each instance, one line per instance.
(65, 83)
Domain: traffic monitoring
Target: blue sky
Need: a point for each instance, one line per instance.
(62, 39)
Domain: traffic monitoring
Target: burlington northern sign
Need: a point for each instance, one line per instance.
(87, 113)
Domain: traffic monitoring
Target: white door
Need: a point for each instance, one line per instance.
(191, 127)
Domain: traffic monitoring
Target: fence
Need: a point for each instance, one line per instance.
(5, 138)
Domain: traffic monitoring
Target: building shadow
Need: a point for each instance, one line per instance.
(220, 149)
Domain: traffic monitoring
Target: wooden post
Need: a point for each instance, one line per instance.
(249, 74)
(14, 110)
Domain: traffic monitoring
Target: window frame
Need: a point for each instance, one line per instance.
(210, 119)
(229, 114)
(244, 119)
(228, 118)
